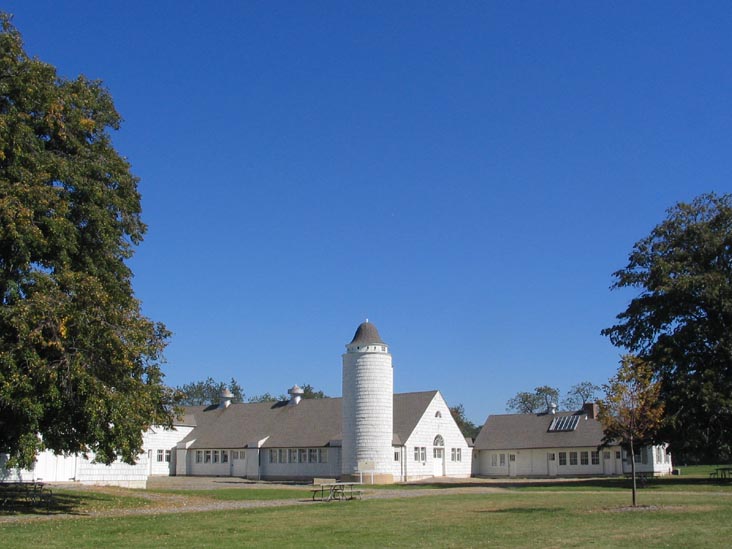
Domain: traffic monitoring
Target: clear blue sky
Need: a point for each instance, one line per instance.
(467, 175)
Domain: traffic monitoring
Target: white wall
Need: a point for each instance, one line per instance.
(52, 468)
(158, 438)
(537, 462)
(653, 459)
(330, 469)
(423, 436)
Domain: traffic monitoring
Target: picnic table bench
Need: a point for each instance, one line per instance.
(13, 494)
(340, 491)
(641, 478)
(721, 474)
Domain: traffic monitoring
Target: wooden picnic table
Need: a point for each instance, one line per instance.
(28, 493)
(723, 473)
(339, 491)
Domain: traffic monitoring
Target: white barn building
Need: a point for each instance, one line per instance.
(563, 444)
(369, 433)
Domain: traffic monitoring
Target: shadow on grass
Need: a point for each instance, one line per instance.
(60, 504)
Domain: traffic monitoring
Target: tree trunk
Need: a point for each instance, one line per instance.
(632, 467)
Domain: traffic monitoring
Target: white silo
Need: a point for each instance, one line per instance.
(368, 407)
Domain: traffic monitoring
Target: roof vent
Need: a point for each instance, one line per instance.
(552, 408)
(226, 396)
(295, 395)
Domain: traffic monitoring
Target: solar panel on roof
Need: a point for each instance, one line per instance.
(564, 423)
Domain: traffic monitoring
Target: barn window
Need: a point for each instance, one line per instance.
(234, 454)
(313, 455)
(160, 455)
(215, 456)
(167, 456)
(584, 458)
(438, 414)
(503, 460)
(323, 455)
(207, 456)
(199, 456)
(494, 460)
(562, 458)
(439, 441)
(456, 454)
(595, 456)
(292, 453)
(282, 455)
(396, 456)
(423, 453)
(302, 455)
(573, 458)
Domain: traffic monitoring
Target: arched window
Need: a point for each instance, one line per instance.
(438, 414)
(439, 441)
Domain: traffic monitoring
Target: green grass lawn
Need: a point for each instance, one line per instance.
(515, 518)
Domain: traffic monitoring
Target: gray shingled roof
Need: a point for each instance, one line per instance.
(311, 423)
(525, 431)
(366, 333)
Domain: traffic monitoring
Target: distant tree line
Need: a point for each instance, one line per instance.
(208, 391)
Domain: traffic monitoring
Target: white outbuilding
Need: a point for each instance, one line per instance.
(557, 444)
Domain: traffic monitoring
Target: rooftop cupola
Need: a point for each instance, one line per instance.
(295, 395)
(225, 398)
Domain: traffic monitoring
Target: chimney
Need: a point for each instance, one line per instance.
(226, 396)
(295, 395)
(590, 409)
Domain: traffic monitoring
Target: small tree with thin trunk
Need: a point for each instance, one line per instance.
(631, 412)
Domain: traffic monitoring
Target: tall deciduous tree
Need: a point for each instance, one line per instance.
(681, 323)
(631, 412)
(579, 395)
(208, 391)
(79, 363)
(531, 403)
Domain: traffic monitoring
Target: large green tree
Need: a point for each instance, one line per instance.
(79, 363)
(681, 322)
